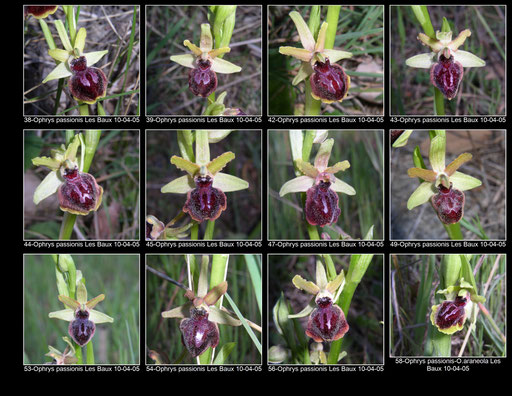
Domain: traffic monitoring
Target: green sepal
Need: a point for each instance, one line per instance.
(228, 183)
(48, 186)
(181, 185)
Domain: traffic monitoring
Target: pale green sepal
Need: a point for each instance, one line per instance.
(64, 314)
(59, 55)
(421, 195)
(202, 283)
(60, 71)
(48, 186)
(305, 70)
(222, 317)
(202, 148)
(223, 66)
(306, 38)
(80, 40)
(342, 187)
(182, 311)
(64, 38)
(217, 135)
(228, 183)
(323, 154)
(299, 184)
(99, 317)
(206, 41)
(321, 275)
(181, 185)
(464, 182)
(307, 286)
(437, 153)
(185, 165)
(94, 57)
(422, 61)
(218, 163)
(305, 312)
(296, 143)
(467, 59)
(81, 293)
(336, 55)
(403, 138)
(187, 60)
(298, 53)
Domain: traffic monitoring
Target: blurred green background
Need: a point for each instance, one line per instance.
(364, 341)
(163, 334)
(115, 167)
(364, 151)
(482, 90)
(116, 276)
(242, 217)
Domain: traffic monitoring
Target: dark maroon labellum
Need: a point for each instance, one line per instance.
(446, 75)
(202, 80)
(198, 333)
(205, 202)
(87, 84)
(81, 329)
(329, 82)
(327, 322)
(451, 313)
(79, 194)
(321, 205)
(449, 204)
(40, 11)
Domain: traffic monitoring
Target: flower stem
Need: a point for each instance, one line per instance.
(438, 102)
(423, 17)
(333, 12)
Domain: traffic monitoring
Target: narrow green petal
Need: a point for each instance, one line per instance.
(299, 53)
(218, 163)
(306, 168)
(187, 60)
(223, 66)
(59, 55)
(459, 40)
(222, 317)
(299, 184)
(422, 61)
(229, 183)
(305, 70)
(421, 195)
(192, 47)
(342, 187)
(215, 293)
(333, 285)
(338, 167)
(434, 44)
(95, 301)
(69, 302)
(457, 163)
(464, 182)
(306, 38)
(467, 59)
(181, 185)
(305, 312)
(307, 286)
(60, 71)
(63, 34)
(219, 51)
(185, 165)
(320, 41)
(425, 174)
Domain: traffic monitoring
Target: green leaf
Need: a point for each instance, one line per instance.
(224, 352)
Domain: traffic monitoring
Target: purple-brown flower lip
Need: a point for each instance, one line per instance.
(205, 202)
(329, 82)
(87, 84)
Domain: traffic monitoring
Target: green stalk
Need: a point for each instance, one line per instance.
(438, 102)
(47, 34)
(84, 109)
(90, 353)
(313, 107)
(210, 226)
(357, 268)
(333, 13)
(423, 17)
